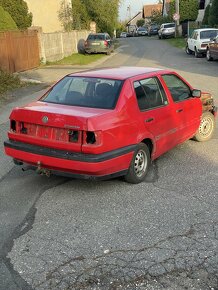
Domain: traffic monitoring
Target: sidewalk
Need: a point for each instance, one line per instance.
(42, 77)
(50, 74)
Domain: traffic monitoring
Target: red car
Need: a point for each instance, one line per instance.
(108, 122)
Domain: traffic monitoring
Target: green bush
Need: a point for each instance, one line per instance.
(8, 82)
(6, 21)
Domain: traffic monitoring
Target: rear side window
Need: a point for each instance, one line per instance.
(85, 92)
(149, 93)
(179, 90)
(208, 34)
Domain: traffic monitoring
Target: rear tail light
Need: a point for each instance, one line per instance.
(105, 43)
(203, 44)
(86, 43)
(23, 129)
(91, 137)
(13, 126)
(73, 136)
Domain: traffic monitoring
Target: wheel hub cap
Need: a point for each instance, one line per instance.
(140, 163)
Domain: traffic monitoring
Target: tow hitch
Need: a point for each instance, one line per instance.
(42, 171)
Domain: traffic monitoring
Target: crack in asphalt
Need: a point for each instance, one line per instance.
(177, 255)
(19, 231)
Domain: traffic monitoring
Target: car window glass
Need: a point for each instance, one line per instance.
(85, 92)
(149, 94)
(208, 34)
(179, 90)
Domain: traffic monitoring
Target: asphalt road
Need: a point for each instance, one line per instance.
(59, 233)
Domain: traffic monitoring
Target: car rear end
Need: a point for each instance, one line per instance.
(168, 30)
(71, 136)
(97, 43)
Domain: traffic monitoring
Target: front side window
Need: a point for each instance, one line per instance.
(179, 90)
(85, 92)
(149, 93)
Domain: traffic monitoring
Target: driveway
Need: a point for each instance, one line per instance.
(60, 233)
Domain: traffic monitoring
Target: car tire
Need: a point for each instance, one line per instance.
(208, 56)
(139, 165)
(206, 128)
(197, 54)
(187, 50)
(159, 36)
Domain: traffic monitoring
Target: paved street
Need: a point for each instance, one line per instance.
(60, 233)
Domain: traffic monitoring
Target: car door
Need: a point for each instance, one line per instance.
(187, 108)
(214, 48)
(156, 114)
(192, 40)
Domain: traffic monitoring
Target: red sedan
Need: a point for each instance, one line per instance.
(108, 122)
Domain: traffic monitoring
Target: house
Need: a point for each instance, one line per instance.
(202, 6)
(132, 23)
(45, 14)
(148, 10)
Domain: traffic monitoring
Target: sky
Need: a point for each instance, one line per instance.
(135, 6)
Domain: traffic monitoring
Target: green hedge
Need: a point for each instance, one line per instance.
(6, 21)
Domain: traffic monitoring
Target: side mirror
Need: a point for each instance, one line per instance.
(196, 93)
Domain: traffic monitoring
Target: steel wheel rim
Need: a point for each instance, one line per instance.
(140, 163)
(206, 127)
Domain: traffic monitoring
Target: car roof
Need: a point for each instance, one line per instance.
(119, 73)
(205, 29)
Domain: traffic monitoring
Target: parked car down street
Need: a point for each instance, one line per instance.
(142, 31)
(153, 29)
(108, 122)
(212, 49)
(99, 43)
(199, 40)
(166, 30)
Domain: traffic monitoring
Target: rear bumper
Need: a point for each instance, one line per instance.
(67, 163)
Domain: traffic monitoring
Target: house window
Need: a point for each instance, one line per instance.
(202, 4)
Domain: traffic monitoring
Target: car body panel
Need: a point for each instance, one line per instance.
(95, 142)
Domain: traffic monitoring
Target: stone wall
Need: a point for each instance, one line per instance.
(55, 46)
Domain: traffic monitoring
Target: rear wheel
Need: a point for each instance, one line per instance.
(206, 128)
(139, 165)
(208, 55)
(197, 54)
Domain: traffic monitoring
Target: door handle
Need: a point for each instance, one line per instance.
(179, 110)
(149, 120)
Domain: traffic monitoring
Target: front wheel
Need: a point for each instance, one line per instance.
(139, 165)
(206, 128)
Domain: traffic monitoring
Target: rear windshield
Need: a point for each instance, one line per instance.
(96, 37)
(85, 92)
(208, 34)
(169, 25)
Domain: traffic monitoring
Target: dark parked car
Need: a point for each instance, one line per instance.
(108, 122)
(99, 43)
(212, 49)
(153, 29)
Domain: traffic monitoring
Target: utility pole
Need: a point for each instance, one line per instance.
(177, 17)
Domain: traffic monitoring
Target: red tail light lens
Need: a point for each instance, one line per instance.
(105, 43)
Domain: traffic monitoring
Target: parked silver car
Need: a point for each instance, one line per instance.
(166, 30)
